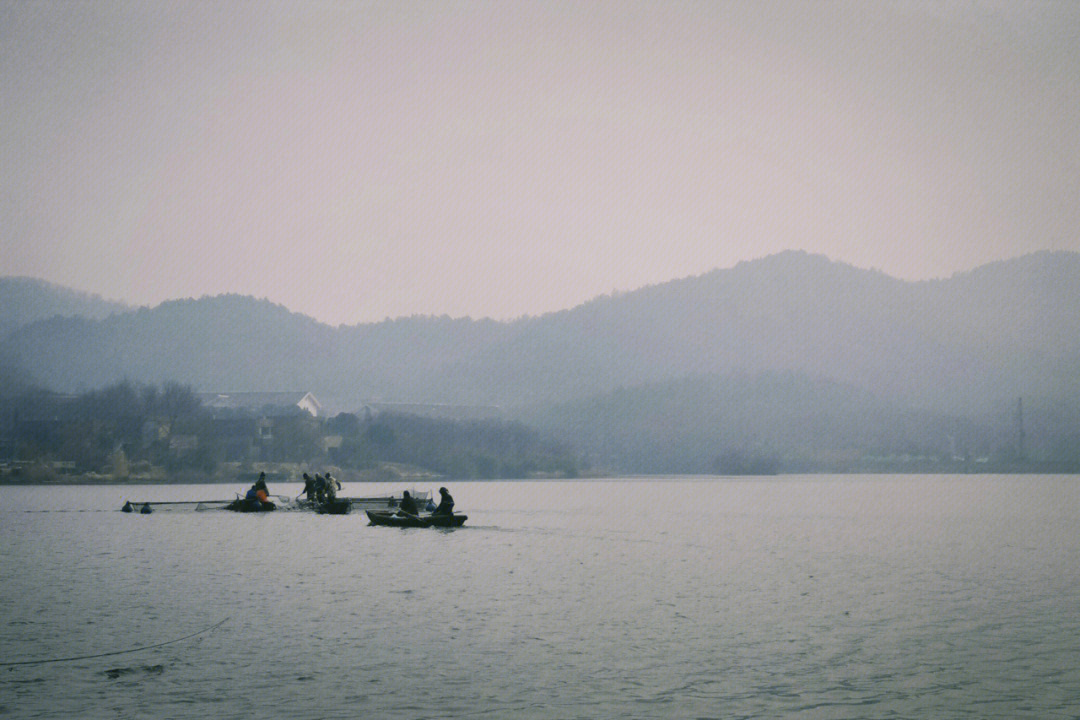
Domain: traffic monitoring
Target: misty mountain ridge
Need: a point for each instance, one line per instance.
(945, 344)
(1006, 329)
(25, 300)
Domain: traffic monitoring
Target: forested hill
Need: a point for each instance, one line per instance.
(1002, 331)
(1011, 327)
(27, 300)
(226, 342)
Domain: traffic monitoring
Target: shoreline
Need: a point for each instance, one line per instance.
(247, 478)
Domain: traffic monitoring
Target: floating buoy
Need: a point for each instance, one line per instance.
(146, 509)
(127, 507)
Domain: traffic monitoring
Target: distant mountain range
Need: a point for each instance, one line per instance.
(26, 300)
(957, 350)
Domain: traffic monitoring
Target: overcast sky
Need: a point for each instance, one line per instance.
(361, 160)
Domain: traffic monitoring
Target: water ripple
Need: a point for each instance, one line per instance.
(595, 603)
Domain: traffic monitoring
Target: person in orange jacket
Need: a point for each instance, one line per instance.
(259, 495)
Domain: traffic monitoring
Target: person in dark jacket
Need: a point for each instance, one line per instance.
(309, 487)
(408, 505)
(446, 503)
(332, 486)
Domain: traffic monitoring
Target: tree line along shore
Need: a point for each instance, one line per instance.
(146, 433)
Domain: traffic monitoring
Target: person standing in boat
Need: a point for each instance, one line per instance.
(446, 503)
(258, 494)
(320, 489)
(408, 505)
(332, 486)
(309, 488)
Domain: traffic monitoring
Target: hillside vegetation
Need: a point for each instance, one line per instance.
(791, 356)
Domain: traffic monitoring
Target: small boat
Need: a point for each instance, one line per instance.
(393, 519)
(377, 502)
(340, 506)
(246, 506)
(283, 502)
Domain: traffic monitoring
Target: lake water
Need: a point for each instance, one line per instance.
(790, 597)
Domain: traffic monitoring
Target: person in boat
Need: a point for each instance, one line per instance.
(320, 489)
(258, 494)
(332, 486)
(309, 487)
(408, 505)
(446, 503)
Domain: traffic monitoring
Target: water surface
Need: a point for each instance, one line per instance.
(791, 597)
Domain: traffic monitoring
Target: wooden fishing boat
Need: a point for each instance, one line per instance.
(144, 507)
(245, 506)
(395, 519)
(373, 502)
(340, 506)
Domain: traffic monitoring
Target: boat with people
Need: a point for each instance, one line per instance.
(146, 507)
(246, 506)
(256, 499)
(408, 513)
(393, 518)
(370, 502)
(337, 506)
(319, 495)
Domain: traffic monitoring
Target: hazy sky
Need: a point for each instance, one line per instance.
(358, 160)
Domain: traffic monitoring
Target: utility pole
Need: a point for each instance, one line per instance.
(1020, 429)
